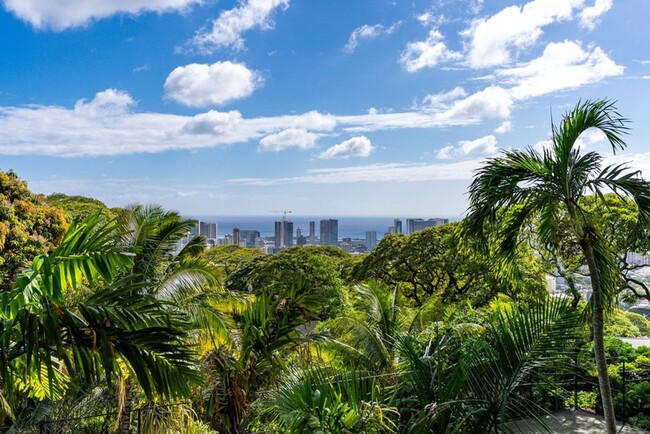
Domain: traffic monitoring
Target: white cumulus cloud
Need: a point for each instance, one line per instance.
(227, 29)
(355, 147)
(428, 53)
(63, 14)
(491, 40)
(563, 65)
(482, 146)
(286, 139)
(490, 102)
(200, 85)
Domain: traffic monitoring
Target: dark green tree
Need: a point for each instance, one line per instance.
(319, 270)
(439, 262)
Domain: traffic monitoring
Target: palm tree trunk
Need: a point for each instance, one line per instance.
(125, 414)
(598, 324)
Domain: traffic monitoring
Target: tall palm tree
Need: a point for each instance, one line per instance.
(520, 185)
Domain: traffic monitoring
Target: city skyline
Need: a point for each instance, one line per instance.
(364, 108)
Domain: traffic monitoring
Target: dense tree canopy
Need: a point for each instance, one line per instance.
(227, 259)
(317, 269)
(439, 262)
(79, 206)
(28, 227)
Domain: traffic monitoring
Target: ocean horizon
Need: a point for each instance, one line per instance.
(352, 227)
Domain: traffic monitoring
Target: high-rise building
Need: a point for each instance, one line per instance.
(414, 225)
(235, 236)
(283, 234)
(208, 230)
(312, 232)
(329, 232)
(371, 240)
(398, 226)
(248, 237)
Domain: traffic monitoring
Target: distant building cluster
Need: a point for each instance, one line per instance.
(285, 236)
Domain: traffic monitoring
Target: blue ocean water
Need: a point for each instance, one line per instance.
(353, 227)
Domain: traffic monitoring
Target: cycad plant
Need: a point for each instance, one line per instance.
(469, 385)
(548, 186)
(319, 401)
(368, 339)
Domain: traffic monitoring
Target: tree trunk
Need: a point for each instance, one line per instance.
(598, 323)
(125, 414)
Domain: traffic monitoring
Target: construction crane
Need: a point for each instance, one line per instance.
(284, 213)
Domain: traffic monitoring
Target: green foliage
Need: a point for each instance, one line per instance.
(524, 187)
(626, 324)
(230, 258)
(79, 207)
(367, 340)
(473, 389)
(40, 333)
(319, 270)
(28, 227)
(317, 402)
(586, 400)
(269, 330)
(440, 262)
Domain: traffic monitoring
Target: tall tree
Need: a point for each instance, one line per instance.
(549, 186)
(28, 227)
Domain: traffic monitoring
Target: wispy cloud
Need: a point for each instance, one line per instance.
(227, 29)
(491, 40)
(367, 32)
(589, 16)
(503, 128)
(396, 172)
(427, 53)
(482, 146)
(290, 138)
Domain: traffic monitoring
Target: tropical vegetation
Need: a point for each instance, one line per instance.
(114, 320)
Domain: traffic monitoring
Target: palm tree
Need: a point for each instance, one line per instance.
(46, 338)
(182, 280)
(511, 190)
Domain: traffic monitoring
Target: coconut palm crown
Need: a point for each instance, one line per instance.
(520, 186)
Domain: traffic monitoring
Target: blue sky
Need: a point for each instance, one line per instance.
(323, 107)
